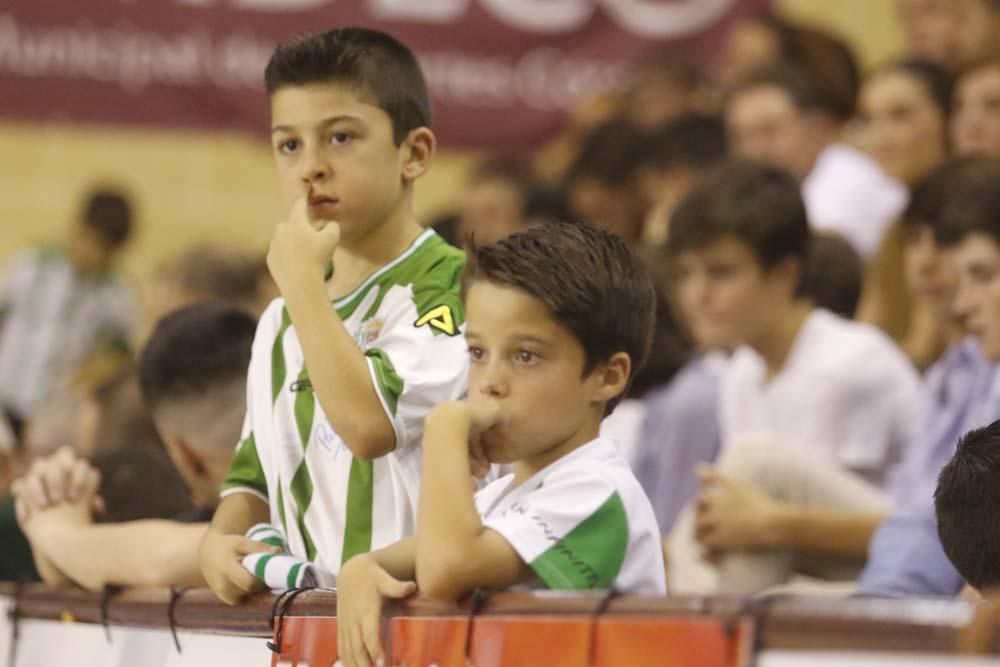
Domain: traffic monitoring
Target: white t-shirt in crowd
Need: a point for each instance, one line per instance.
(581, 522)
(846, 394)
(848, 193)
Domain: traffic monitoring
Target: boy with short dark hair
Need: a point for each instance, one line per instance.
(330, 456)
(806, 392)
(559, 318)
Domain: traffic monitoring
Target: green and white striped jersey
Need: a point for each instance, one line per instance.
(408, 319)
(581, 522)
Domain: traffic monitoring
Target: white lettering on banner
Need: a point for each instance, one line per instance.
(647, 18)
(652, 18)
(543, 79)
(131, 58)
(545, 16)
(428, 11)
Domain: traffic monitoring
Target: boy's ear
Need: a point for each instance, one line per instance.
(789, 272)
(612, 377)
(417, 151)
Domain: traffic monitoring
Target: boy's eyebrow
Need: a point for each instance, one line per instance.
(323, 123)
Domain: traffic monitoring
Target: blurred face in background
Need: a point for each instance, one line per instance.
(764, 124)
(930, 270)
(977, 301)
(931, 28)
(724, 294)
(750, 45)
(975, 121)
(89, 251)
(905, 129)
(491, 209)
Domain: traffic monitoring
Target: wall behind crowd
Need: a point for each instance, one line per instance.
(194, 186)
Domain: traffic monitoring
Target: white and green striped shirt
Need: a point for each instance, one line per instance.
(51, 318)
(408, 319)
(581, 522)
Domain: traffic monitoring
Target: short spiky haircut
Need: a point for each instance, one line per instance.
(379, 68)
(967, 501)
(754, 203)
(591, 282)
(194, 353)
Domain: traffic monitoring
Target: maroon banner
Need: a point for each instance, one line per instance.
(501, 72)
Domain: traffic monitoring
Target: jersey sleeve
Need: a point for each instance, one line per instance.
(572, 531)
(420, 359)
(246, 473)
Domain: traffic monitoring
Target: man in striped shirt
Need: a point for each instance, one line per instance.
(60, 303)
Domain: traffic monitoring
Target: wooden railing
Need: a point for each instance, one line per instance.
(926, 627)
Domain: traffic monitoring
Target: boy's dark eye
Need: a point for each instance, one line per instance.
(476, 353)
(288, 146)
(341, 137)
(526, 356)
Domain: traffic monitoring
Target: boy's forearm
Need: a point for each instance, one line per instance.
(824, 531)
(139, 553)
(339, 373)
(448, 524)
(238, 512)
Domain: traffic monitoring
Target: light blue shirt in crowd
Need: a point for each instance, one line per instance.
(961, 392)
(681, 430)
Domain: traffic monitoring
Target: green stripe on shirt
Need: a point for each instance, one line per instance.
(591, 555)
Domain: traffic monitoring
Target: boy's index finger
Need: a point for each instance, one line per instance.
(300, 210)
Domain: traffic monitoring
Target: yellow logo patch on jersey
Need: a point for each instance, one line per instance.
(439, 318)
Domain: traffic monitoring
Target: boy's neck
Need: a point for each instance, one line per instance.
(775, 344)
(525, 468)
(357, 258)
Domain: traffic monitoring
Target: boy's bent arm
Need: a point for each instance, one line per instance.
(338, 370)
(455, 553)
(140, 553)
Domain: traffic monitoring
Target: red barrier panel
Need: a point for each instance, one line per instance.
(515, 641)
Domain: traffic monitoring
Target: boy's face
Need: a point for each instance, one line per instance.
(725, 296)
(930, 271)
(977, 301)
(764, 124)
(89, 252)
(338, 151)
(532, 365)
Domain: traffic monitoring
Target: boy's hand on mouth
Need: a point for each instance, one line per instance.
(301, 248)
(483, 415)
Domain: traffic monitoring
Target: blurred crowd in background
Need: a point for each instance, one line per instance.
(871, 148)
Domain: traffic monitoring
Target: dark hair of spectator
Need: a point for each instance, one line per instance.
(967, 501)
(972, 205)
(194, 351)
(109, 213)
(754, 203)
(379, 68)
(834, 274)
(139, 483)
(592, 283)
(692, 140)
(608, 155)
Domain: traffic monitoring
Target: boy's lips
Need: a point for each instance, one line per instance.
(321, 200)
